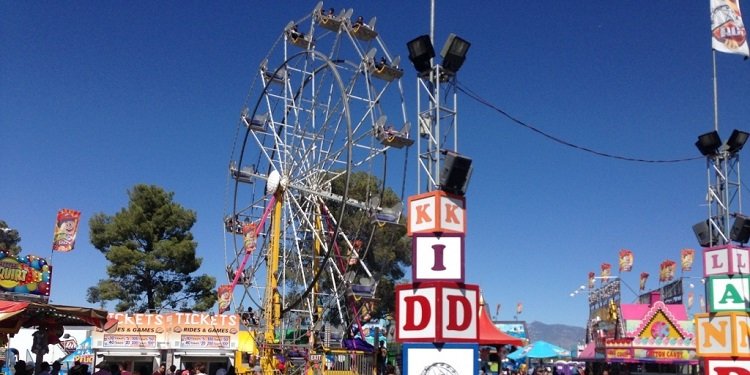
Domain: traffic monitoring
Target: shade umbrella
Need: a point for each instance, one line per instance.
(50, 320)
(15, 315)
(539, 349)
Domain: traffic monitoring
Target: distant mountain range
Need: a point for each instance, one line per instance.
(561, 335)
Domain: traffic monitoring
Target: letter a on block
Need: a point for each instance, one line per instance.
(731, 295)
(728, 293)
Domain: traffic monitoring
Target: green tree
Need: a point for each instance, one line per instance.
(387, 249)
(152, 256)
(9, 239)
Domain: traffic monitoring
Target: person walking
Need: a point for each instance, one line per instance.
(382, 358)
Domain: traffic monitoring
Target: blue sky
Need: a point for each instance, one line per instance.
(98, 96)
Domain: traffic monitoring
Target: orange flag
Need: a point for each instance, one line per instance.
(66, 229)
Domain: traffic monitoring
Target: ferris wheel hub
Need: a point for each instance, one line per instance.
(274, 179)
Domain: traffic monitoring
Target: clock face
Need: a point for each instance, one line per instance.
(439, 368)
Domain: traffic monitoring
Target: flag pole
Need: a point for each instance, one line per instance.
(716, 93)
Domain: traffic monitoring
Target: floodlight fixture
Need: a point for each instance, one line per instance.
(454, 53)
(708, 144)
(736, 141)
(421, 53)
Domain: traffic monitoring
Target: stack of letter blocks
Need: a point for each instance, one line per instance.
(722, 335)
(438, 307)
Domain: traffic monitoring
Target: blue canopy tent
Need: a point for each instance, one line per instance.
(538, 350)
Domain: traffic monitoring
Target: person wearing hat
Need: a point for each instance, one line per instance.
(44, 368)
(55, 368)
(103, 368)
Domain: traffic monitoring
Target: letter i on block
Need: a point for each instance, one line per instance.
(437, 258)
(436, 212)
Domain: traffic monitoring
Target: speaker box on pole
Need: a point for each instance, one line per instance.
(702, 233)
(740, 230)
(454, 178)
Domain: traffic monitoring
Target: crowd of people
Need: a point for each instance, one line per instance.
(115, 368)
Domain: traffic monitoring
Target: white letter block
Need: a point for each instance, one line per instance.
(728, 293)
(437, 258)
(726, 260)
(436, 212)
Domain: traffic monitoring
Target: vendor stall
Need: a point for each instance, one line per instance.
(644, 337)
(147, 340)
(656, 332)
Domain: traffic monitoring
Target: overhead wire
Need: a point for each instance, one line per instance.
(471, 94)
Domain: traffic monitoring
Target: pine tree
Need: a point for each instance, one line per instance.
(151, 256)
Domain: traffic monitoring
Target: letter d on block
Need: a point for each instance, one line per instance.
(727, 367)
(425, 312)
(416, 313)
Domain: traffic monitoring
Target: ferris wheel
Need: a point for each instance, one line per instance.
(326, 104)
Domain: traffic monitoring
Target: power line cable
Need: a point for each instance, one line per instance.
(460, 87)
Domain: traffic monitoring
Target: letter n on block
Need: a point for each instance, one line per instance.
(726, 260)
(436, 211)
(722, 334)
(437, 311)
(727, 366)
(437, 258)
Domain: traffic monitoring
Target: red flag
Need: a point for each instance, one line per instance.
(606, 272)
(519, 308)
(666, 270)
(626, 260)
(644, 277)
(686, 259)
(249, 237)
(225, 297)
(66, 229)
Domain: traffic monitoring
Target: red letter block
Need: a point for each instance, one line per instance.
(437, 312)
(727, 366)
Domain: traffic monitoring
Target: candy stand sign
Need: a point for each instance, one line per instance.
(27, 275)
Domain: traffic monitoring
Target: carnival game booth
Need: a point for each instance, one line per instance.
(656, 337)
(144, 341)
(652, 336)
(25, 283)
